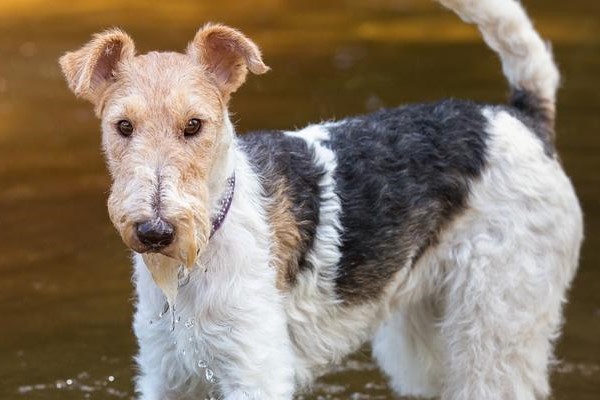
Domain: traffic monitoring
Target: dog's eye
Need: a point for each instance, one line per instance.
(192, 127)
(125, 127)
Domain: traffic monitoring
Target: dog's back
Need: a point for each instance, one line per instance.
(399, 176)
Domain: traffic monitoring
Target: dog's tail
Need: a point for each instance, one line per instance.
(526, 60)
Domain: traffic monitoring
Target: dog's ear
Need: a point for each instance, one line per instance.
(227, 54)
(91, 69)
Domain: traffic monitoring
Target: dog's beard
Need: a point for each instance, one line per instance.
(171, 267)
(193, 229)
(190, 240)
(164, 272)
(169, 275)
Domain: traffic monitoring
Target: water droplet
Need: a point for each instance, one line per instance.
(183, 352)
(69, 382)
(83, 375)
(150, 322)
(164, 311)
(111, 378)
(189, 323)
(202, 364)
(209, 374)
(175, 342)
(173, 317)
(191, 339)
(178, 319)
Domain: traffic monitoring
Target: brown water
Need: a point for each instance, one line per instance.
(65, 292)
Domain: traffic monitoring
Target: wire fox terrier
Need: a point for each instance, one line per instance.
(447, 234)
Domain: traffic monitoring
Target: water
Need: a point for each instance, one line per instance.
(189, 323)
(65, 291)
(209, 375)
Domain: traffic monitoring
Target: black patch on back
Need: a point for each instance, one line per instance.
(402, 174)
(527, 108)
(276, 156)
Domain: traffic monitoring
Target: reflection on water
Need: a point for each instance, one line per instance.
(65, 289)
(81, 386)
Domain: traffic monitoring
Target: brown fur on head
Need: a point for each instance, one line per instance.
(157, 171)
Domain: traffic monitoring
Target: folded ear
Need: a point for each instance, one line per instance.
(227, 54)
(91, 69)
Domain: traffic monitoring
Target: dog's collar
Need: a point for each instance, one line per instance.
(224, 205)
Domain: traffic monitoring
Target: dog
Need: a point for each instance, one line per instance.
(447, 234)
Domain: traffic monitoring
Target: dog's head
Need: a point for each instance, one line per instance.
(166, 131)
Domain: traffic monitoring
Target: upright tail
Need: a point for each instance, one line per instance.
(527, 61)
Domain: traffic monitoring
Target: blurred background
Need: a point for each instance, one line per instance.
(65, 291)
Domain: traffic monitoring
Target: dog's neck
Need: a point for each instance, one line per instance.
(223, 167)
(223, 176)
(244, 227)
(225, 204)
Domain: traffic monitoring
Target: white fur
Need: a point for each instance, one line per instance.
(408, 349)
(513, 255)
(493, 309)
(239, 323)
(526, 60)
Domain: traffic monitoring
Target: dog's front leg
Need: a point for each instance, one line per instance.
(254, 360)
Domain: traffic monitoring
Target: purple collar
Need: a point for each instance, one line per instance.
(224, 205)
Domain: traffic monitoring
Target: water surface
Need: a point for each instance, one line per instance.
(65, 291)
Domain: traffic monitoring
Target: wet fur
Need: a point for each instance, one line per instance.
(446, 233)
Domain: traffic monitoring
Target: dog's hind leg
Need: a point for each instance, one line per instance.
(507, 262)
(502, 316)
(407, 348)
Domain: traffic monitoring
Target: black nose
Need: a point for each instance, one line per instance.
(156, 233)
